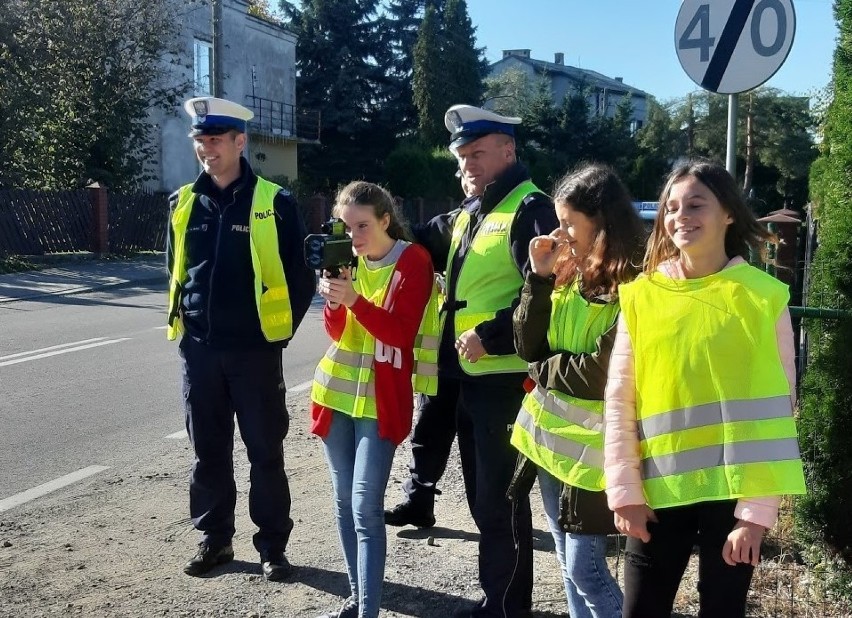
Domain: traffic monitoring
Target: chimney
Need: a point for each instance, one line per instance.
(559, 58)
(523, 53)
(620, 80)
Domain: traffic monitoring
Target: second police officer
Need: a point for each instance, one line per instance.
(484, 249)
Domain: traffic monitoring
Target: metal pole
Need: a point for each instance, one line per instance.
(217, 49)
(731, 159)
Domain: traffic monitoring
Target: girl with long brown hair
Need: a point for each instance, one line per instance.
(564, 327)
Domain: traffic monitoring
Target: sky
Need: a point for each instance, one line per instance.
(634, 39)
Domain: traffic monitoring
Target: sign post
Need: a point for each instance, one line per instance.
(732, 46)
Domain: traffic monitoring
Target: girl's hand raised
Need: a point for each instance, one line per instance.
(338, 291)
(545, 250)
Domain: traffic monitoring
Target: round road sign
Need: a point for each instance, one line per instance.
(730, 46)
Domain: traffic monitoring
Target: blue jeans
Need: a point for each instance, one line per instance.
(590, 587)
(360, 464)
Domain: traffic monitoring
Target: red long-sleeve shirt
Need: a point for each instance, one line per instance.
(394, 324)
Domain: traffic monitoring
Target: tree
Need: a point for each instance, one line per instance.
(826, 412)
(429, 92)
(448, 68)
(464, 62)
(339, 76)
(77, 80)
(399, 28)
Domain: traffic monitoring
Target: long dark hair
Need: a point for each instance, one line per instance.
(595, 190)
(744, 232)
(362, 193)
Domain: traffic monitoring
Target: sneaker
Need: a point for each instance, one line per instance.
(207, 558)
(407, 514)
(275, 566)
(349, 609)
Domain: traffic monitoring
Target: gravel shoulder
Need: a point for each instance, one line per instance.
(114, 545)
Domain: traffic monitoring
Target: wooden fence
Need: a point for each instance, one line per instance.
(35, 223)
(92, 219)
(40, 222)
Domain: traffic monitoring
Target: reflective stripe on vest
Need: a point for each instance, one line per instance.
(344, 379)
(560, 433)
(577, 464)
(488, 279)
(717, 424)
(425, 377)
(272, 296)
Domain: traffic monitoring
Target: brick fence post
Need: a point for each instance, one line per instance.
(100, 218)
(318, 212)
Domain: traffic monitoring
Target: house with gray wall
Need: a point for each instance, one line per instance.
(259, 71)
(604, 93)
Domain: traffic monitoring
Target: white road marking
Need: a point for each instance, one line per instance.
(50, 486)
(178, 435)
(55, 352)
(160, 328)
(53, 347)
(300, 387)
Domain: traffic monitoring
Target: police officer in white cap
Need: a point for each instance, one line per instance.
(484, 249)
(238, 290)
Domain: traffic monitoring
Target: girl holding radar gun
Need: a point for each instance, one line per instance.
(384, 328)
(700, 438)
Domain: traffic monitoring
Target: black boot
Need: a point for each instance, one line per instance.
(207, 558)
(409, 513)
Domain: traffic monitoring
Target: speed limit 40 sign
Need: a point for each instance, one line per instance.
(730, 46)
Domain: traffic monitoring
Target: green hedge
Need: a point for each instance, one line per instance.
(412, 170)
(825, 421)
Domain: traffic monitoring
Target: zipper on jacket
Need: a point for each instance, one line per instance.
(215, 260)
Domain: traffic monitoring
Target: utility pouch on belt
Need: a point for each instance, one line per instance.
(522, 480)
(584, 512)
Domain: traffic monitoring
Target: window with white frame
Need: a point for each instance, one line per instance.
(202, 66)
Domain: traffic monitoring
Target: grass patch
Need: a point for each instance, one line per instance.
(17, 264)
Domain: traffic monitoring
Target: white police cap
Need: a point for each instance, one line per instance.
(213, 116)
(467, 123)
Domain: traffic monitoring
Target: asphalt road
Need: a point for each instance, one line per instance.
(90, 380)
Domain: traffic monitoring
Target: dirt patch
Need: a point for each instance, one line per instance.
(114, 545)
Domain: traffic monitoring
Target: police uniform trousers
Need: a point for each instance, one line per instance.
(487, 409)
(217, 384)
(431, 443)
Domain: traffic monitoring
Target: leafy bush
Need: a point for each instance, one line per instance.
(825, 421)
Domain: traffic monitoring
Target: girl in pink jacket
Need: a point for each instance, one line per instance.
(700, 441)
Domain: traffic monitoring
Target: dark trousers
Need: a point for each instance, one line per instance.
(652, 571)
(216, 385)
(431, 442)
(485, 415)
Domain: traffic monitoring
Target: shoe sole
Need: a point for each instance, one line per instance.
(416, 524)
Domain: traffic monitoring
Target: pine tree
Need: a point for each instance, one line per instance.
(338, 76)
(465, 68)
(448, 68)
(429, 91)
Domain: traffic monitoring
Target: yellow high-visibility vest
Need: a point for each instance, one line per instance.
(344, 379)
(713, 403)
(560, 433)
(272, 295)
(488, 279)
